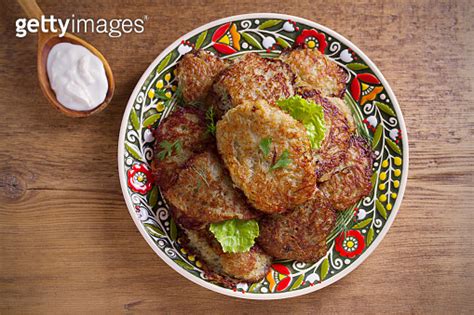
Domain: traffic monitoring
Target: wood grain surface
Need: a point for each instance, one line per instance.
(68, 244)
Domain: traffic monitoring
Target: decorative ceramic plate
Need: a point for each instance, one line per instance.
(360, 228)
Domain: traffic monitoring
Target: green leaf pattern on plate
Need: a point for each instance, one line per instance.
(269, 23)
(385, 108)
(377, 136)
(153, 197)
(201, 39)
(362, 224)
(251, 40)
(357, 66)
(394, 146)
(151, 120)
(283, 43)
(164, 63)
(324, 269)
(134, 119)
(297, 282)
(154, 230)
(133, 150)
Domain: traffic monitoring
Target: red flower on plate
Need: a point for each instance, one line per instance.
(365, 87)
(140, 178)
(226, 39)
(350, 244)
(280, 280)
(312, 38)
(281, 269)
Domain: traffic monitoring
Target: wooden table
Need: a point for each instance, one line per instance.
(68, 244)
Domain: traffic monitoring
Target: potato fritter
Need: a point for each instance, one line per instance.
(273, 181)
(204, 193)
(250, 78)
(195, 73)
(350, 184)
(186, 128)
(249, 266)
(344, 108)
(298, 234)
(336, 141)
(315, 70)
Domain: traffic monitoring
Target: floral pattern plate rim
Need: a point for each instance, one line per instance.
(377, 115)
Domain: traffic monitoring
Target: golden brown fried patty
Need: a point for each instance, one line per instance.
(317, 71)
(336, 141)
(188, 127)
(196, 72)
(250, 266)
(250, 78)
(350, 184)
(299, 234)
(344, 108)
(204, 193)
(239, 134)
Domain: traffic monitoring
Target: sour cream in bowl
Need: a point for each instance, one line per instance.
(77, 77)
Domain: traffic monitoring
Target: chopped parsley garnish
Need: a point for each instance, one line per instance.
(178, 94)
(179, 99)
(264, 146)
(211, 122)
(283, 161)
(198, 186)
(200, 174)
(196, 104)
(168, 148)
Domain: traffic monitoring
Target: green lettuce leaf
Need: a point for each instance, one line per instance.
(310, 114)
(235, 236)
